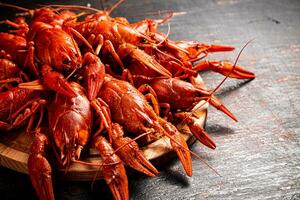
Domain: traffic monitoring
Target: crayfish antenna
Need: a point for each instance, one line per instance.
(111, 9)
(170, 14)
(27, 11)
(165, 19)
(70, 7)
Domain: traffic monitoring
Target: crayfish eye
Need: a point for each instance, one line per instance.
(146, 123)
(143, 41)
(66, 61)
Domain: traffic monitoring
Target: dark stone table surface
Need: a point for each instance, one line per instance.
(258, 157)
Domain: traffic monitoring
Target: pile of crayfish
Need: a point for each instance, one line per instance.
(85, 79)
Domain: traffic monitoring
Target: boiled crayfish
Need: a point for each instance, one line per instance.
(105, 83)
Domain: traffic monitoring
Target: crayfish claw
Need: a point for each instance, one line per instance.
(217, 103)
(141, 164)
(93, 74)
(129, 152)
(178, 144)
(241, 73)
(204, 138)
(219, 48)
(55, 81)
(142, 57)
(113, 170)
(225, 68)
(181, 148)
(201, 135)
(133, 156)
(32, 85)
(39, 168)
(196, 129)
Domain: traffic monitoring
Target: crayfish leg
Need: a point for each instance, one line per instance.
(39, 168)
(29, 60)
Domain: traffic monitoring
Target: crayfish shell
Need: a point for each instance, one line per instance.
(14, 151)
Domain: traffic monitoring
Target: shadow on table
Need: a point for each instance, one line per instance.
(217, 129)
(224, 91)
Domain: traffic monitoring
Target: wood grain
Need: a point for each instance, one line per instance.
(258, 157)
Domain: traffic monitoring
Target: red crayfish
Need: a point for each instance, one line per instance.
(105, 83)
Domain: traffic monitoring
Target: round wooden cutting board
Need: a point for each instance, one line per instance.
(15, 147)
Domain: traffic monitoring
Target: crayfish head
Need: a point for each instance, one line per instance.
(56, 48)
(101, 15)
(70, 58)
(45, 15)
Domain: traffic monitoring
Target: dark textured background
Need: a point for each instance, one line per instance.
(258, 157)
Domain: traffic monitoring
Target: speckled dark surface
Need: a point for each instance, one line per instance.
(258, 157)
